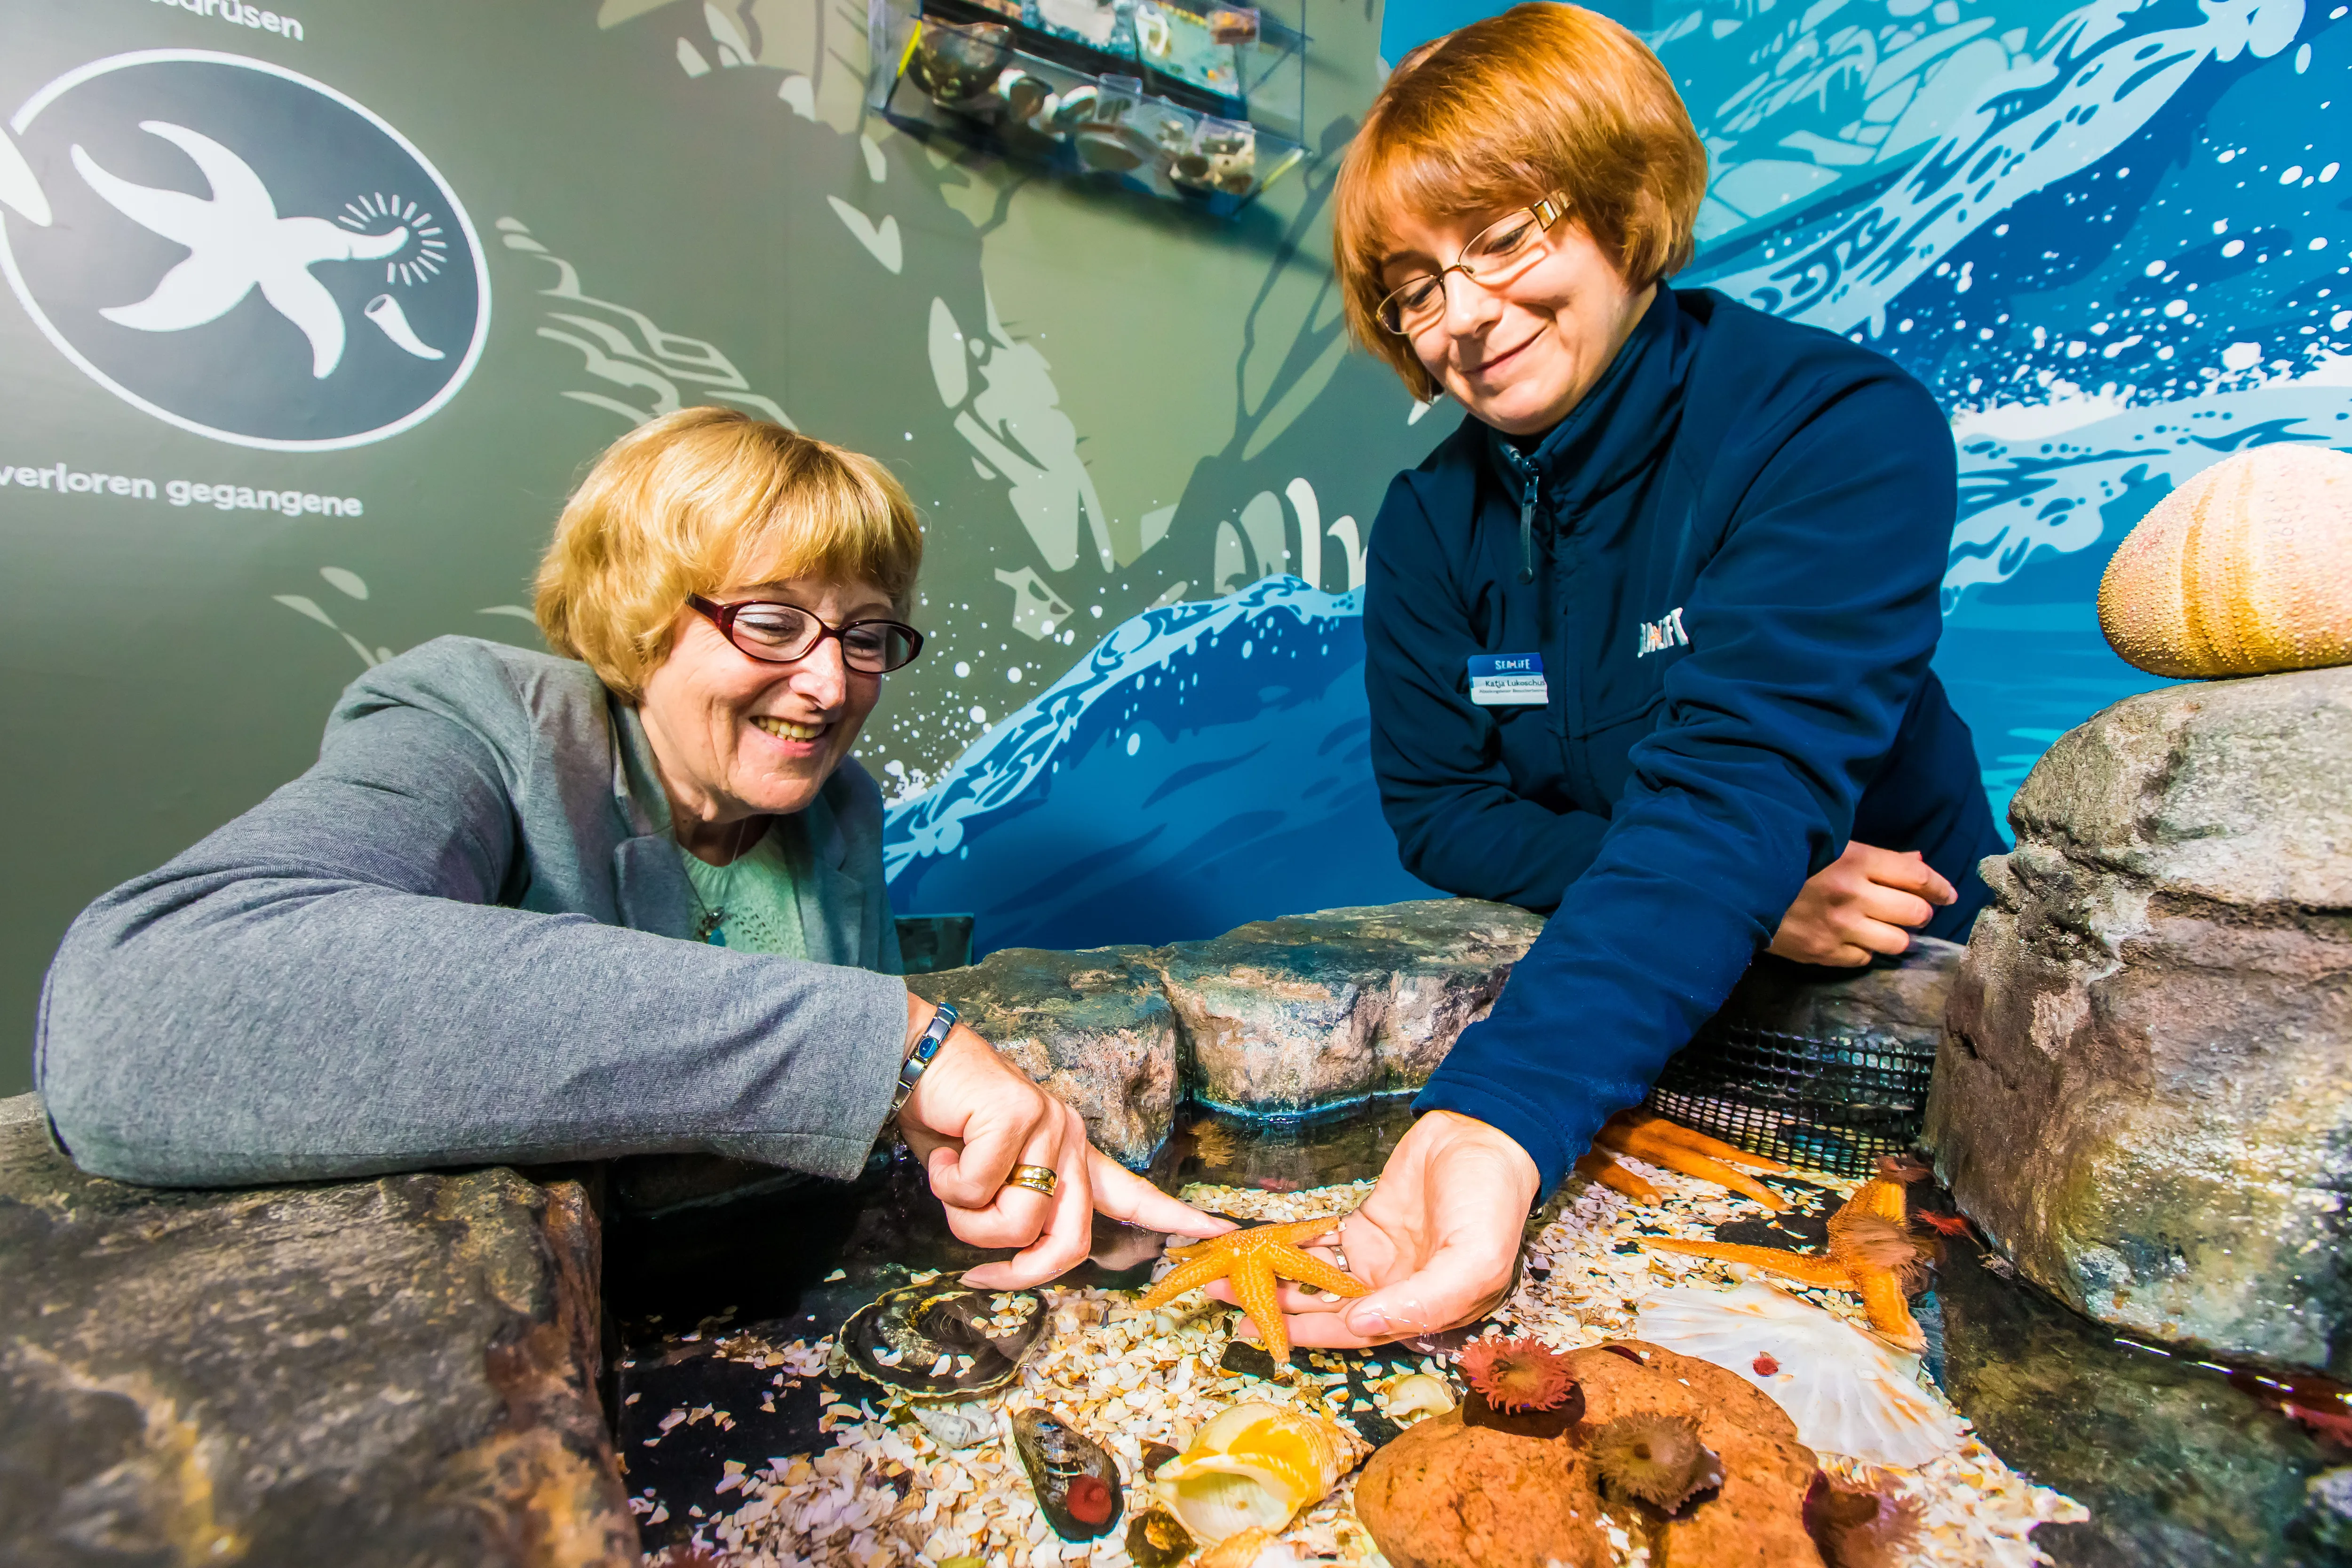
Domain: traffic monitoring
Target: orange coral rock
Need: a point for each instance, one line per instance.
(1252, 1260)
(1858, 1258)
(1670, 1144)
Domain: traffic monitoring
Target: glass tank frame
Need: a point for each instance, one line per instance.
(1195, 103)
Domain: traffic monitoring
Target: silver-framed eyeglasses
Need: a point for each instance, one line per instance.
(776, 633)
(1495, 257)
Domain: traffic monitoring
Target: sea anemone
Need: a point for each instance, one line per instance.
(1860, 1527)
(1655, 1458)
(1088, 1499)
(1518, 1376)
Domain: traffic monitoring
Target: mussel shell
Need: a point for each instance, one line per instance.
(1061, 1460)
(914, 1325)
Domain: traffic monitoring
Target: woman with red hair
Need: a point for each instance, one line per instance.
(1649, 636)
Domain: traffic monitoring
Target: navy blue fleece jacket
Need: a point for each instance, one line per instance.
(1733, 546)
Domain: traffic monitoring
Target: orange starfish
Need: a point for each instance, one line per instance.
(1871, 1252)
(1251, 1260)
(1659, 1142)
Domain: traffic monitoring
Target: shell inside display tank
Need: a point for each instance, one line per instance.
(1410, 1396)
(1075, 1479)
(944, 1341)
(1253, 1467)
(1847, 1393)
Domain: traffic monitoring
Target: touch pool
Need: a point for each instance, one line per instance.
(746, 1439)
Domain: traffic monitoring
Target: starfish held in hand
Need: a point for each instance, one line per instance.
(1252, 1260)
(1871, 1252)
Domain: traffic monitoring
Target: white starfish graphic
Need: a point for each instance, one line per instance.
(237, 243)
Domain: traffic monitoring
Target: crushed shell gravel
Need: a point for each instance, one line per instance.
(886, 1494)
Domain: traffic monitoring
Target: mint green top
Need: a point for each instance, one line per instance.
(752, 904)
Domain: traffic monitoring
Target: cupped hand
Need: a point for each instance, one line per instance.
(973, 1117)
(1865, 901)
(1438, 1240)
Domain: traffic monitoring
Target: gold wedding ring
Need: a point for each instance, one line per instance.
(1039, 1179)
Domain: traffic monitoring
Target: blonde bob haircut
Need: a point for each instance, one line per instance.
(1543, 100)
(695, 500)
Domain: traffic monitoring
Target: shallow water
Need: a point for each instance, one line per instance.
(2180, 1466)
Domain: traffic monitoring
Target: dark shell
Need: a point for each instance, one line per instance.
(1249, 1361)
(1155, 1539)
(899, 1337)
(1078, 1485)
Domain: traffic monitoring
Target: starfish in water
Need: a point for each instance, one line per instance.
(1658, 1141)
(1252, 1260)
(1871, 1252)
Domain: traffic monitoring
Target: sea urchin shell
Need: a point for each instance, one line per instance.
(1518, 1376)
(1655, 1458)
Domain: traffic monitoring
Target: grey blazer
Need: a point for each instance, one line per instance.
(456, 940)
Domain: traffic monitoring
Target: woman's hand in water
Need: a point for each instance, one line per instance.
(1438, 1239)
(973, 1117)
(1865, 901)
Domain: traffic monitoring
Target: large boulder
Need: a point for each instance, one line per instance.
(1278, 1016)
(2144, 1094)
(1092, 1027)
(399, 1372)
(1890, 1002)
(1290, 1014)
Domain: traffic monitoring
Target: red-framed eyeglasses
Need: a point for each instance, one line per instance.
(776, 633)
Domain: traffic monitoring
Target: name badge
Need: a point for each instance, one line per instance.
(1507, 681)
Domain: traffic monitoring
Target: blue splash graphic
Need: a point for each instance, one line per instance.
(1204, 765)
(2112, 245)
(2110, 240)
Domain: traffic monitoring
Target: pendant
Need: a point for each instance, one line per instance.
(707, 926)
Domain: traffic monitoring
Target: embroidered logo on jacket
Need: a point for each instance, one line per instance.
(1660, 635)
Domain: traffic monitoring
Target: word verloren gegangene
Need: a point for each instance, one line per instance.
(63, 480)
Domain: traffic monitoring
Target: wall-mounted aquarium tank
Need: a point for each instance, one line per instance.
(1202, 103)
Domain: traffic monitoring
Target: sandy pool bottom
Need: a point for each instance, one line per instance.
(888, 1493)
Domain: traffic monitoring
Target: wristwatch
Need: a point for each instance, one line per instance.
(910, 1071)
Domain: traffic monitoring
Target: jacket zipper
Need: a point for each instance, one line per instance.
(1526, 472)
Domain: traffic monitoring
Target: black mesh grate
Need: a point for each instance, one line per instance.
(1835, 1104)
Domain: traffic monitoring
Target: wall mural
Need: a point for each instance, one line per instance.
(2110, 238)
(280, 404)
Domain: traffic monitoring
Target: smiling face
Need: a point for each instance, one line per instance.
(736, 737)
(1521, 358)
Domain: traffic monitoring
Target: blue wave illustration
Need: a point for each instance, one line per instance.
(2112, 244)
(1204, 765)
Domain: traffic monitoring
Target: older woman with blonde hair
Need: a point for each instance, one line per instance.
(624, 899)
(1648, 635)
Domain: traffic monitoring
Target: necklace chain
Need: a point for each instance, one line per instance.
(710, 918)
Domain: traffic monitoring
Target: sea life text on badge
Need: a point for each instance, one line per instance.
(1252, 1259)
